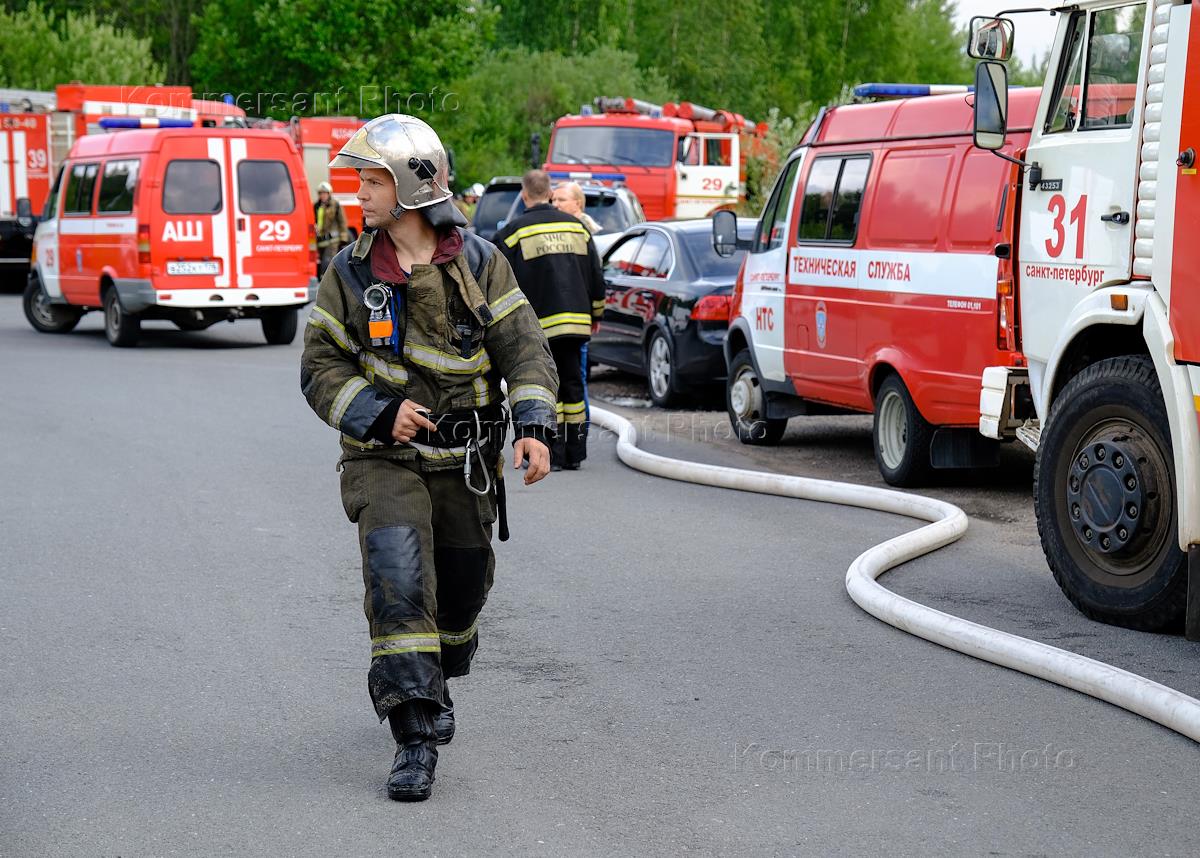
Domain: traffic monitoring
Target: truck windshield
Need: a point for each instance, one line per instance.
(606, 144)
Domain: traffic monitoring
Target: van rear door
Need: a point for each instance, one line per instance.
(271, 233)
(233, 215)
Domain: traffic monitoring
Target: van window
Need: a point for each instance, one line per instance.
(117, 186)
(833, 198)
(772, 229)
(655, 258)
(843, 220)
(80, 185)
(192, 187)
(264, 187)
(51, 210)
(1114, 51)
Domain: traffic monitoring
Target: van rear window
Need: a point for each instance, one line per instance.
(264, 187)
(192, 187)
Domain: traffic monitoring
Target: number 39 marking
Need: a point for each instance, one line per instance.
(274, 230)
(1058, 205)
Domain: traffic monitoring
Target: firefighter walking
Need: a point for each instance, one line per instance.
(415, 326)
(555, 261)
(331, 226)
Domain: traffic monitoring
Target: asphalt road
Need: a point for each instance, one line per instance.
(664, 669)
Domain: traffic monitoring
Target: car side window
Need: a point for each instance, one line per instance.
(654, 258)
(620, 258)
(117, 186)
(772, 229)
(80, 185)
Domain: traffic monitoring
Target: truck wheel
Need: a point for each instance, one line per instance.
(42, 315)
(660, 371)
(1104, 495)
(902, 436)
(123, 329)
(747, 404)
(279, 326)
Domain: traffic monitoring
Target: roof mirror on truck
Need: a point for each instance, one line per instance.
(991, 39)
(991, 105)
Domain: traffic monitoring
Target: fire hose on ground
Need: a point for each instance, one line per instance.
(948, 523)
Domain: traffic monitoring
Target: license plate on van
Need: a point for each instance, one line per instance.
(193, 267)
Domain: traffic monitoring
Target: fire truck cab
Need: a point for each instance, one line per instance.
(682, 160)
(190, 225)
(1108, 298)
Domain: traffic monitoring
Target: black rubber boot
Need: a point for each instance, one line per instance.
(443, 722)
(416, 752)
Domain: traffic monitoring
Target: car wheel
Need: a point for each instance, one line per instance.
(902, 436)
(746, 404)
(123, 329)
(1105, 497)
(660, 370)
(42, 315)
(279, 326)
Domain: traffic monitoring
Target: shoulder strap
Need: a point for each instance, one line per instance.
(477, 252)
(352, 264)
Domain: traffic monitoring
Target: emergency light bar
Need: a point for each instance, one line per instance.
(600, 177)
(908, 90)
(114, 123)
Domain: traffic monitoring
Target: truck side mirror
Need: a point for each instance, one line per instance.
(991, 39)
(24, 211)
(725, 240)
(991, 105)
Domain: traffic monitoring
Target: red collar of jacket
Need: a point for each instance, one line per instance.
(385, 267)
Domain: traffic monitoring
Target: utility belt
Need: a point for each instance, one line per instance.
(475, 429)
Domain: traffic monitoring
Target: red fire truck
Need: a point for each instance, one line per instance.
(682, 160)
(1108, 304)
(319, 139)
(37, 129)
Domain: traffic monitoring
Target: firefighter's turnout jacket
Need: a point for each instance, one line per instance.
(556, 263)
(460, 325)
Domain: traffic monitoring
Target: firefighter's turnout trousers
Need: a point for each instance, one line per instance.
(570, 445)
(427, 566)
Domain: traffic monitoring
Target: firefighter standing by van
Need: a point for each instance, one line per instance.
(555, 261)
(414, 327)
(331, 225)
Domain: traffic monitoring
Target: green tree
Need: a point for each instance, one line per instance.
(309, 57)
(41, 49)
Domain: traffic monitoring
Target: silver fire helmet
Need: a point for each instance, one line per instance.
(407, 148)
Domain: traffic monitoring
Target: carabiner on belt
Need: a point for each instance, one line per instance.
(473, 444)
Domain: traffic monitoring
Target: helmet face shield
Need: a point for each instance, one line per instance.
(407, 148)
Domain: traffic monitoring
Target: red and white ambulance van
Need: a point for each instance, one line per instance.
(190, 225)
(880, 280)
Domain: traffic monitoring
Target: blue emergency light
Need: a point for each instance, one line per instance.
(114, 123)
(578, 174)
(907, 90)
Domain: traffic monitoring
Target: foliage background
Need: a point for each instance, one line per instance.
(488, 74)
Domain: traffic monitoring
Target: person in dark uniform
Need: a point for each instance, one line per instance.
(556, 263)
